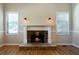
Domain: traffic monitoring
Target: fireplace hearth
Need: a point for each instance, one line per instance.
(37, 36)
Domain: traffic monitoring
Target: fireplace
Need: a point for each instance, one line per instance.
(37, 36)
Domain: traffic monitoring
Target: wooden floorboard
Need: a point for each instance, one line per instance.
(61, 50)
(65, 51)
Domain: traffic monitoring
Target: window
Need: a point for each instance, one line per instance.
(12, 22)
(62, 22)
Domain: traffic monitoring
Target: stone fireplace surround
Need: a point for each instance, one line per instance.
(39, 28)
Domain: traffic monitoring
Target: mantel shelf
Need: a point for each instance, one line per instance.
(38, 25)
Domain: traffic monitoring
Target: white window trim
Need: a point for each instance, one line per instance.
(6, 25)
(68, 24)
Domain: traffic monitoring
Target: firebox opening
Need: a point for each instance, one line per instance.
(37, 36)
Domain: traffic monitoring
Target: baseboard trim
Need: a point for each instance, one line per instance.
(63, 44)
(75, 45)
(9, 44)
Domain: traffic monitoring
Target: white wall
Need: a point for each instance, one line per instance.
(1, 23)
(37, 13)
(75, 36)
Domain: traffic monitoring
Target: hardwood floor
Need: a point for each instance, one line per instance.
(15, 50)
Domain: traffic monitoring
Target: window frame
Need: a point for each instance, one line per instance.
(7, 27)
(68, 32)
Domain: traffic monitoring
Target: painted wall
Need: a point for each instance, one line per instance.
(1, 23)
(37, 13)
(75, 35)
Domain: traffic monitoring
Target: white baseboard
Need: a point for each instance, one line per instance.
(64, 43)
(9, 44)
(75, 45)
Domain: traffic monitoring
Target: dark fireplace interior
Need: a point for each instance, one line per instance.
(37, 36)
